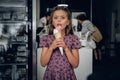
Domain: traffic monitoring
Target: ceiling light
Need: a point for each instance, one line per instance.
(64, 5)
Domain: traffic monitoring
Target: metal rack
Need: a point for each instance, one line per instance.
(14, 40)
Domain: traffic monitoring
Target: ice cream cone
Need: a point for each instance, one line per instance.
(57, 36)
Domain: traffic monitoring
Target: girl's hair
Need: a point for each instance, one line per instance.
(68, 29)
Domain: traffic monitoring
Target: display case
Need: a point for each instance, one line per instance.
(14, 40)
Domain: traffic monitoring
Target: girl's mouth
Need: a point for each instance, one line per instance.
(59, 25)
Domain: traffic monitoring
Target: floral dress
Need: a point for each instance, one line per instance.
(59, 67)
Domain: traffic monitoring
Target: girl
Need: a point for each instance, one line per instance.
(60, 67)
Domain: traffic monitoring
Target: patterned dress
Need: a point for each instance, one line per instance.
(59, 67)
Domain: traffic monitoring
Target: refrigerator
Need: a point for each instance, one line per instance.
(16, 40)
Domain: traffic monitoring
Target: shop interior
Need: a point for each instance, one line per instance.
(20, 51)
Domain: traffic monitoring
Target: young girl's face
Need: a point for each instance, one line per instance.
(60, 17)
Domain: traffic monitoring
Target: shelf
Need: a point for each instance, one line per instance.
(13, 21)
(19, 43)
(13, 3)
(3, 64)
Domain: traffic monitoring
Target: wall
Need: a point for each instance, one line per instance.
(116, 10)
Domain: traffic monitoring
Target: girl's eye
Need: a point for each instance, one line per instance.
(55, 17)
(62, 17)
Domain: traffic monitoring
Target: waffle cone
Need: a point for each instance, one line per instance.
(57, 35)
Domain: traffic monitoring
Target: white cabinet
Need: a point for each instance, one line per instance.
(85, 68)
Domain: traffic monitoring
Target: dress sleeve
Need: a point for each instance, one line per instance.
(44, 41)
(76, 42)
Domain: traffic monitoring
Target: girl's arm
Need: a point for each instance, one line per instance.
(45, 56)
(73, 56)
(47, 52)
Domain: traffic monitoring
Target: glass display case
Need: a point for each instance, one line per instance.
(14, 40)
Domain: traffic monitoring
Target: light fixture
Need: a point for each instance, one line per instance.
(64, 5)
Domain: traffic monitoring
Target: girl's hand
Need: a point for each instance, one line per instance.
(61, 43)
(54, 44)
(58, 43)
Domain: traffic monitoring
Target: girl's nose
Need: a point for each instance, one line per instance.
(59, 20)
